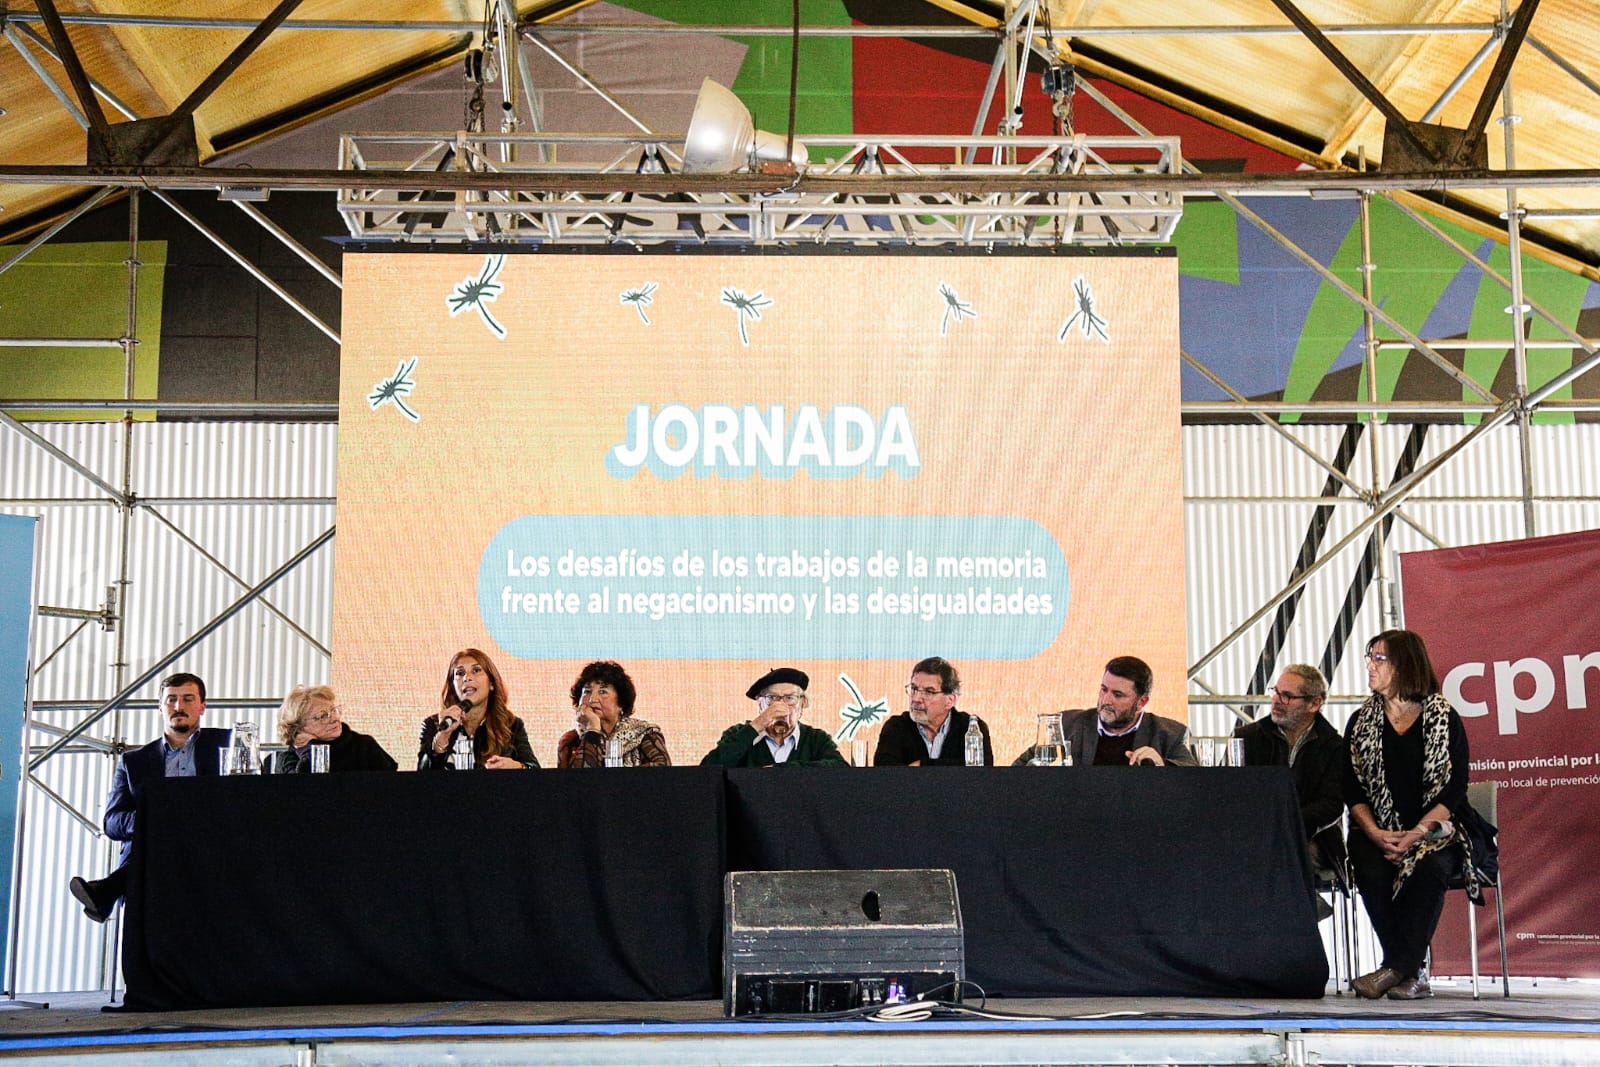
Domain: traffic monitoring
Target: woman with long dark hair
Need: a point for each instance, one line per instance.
(1406, 784)
(474, 700)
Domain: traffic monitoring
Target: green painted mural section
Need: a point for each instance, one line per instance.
(79, 290)
(1414, 270)
(1556, 291)
(1207, 239)
(823, 101)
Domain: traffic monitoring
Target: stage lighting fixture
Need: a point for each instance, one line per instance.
(722, 137)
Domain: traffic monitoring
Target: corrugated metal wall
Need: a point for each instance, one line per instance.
(181, 473)
(1246, 520)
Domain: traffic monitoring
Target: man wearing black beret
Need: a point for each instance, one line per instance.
(776, 736)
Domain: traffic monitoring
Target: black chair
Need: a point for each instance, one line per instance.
(1483, 796)
(1330, 866)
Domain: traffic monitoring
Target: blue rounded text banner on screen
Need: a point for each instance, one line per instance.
(777, 586)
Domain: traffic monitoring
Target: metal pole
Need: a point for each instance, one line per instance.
(1519, 310)
(1396, 494)
(506, 24)
(66, 460)
(1369, 357)
(60, 342)
(223, 567)
(73, 216)
(100, 90)
(289, 242)
(221, 409)
(583, 76)
(185, 645)
(49, 83)
(250, 268)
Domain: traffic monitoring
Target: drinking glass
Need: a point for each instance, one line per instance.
(319, 759)
(1236, 752)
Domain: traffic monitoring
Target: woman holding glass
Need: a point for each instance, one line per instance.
(474, 704)
(1406, 784)
(606, 733)
(310, 718)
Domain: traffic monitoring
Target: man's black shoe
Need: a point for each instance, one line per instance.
(93, 896)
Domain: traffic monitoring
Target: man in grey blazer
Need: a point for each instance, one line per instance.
(1120, 732)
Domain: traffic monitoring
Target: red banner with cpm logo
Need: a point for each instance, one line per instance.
(1514, 632)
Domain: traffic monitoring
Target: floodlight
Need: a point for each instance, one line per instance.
(722, 137)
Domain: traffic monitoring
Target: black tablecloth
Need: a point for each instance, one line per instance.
(362, 888)
(1082, 882)
(376, 888)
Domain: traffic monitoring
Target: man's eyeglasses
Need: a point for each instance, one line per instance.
(794, 700)
(1286, 696)
(927, 693)
(1377, 657)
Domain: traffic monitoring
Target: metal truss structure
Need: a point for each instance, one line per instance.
(994, 190)
(907, 203)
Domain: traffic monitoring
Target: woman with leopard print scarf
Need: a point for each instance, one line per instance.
(1405, 783)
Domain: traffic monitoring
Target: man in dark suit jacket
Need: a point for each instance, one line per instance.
(185, 749)
(776, 736)
(931, 732)
(1119, 732)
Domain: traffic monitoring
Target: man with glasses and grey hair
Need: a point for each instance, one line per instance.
(931, 732)
(1295, 734)
(776, 736)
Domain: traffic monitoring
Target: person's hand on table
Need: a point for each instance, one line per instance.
(1139, 755)
(502, 763)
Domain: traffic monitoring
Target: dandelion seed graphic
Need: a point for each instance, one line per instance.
(640, 298)
(748, 307)
(953, 305)
(1091, 324)
(859, 714)
(479, 292)
(390, 390)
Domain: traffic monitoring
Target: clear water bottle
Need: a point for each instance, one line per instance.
(613, 751)
(974, 744)
(461, 752)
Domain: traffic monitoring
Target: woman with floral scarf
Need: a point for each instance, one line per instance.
(1406, 783)
(602, 705)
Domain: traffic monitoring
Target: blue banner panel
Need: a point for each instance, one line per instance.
(16, 615)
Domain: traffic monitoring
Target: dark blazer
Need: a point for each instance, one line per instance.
(1082, 731)
(901, 744)
(737, 747)
(138, 766)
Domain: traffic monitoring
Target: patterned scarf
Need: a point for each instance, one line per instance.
(631, 731)
(1366, 756)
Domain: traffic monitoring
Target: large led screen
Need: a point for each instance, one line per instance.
(703, 466)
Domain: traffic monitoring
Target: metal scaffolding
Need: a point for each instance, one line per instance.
(998, 189)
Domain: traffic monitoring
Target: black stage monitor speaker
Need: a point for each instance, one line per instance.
(805, 942)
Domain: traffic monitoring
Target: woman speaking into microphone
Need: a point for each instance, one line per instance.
(474, 705)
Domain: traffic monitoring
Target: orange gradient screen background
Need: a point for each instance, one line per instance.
(704, 466)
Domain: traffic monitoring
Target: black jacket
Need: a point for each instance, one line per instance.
(350, 751)
(900, 743)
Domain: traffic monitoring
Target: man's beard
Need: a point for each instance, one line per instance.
(180, 727)
(1114, 723)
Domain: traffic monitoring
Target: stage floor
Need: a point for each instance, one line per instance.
(1548, 1023)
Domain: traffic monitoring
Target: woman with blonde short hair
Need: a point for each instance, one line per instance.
(310, 715)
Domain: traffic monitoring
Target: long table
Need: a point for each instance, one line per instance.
(370, 888)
